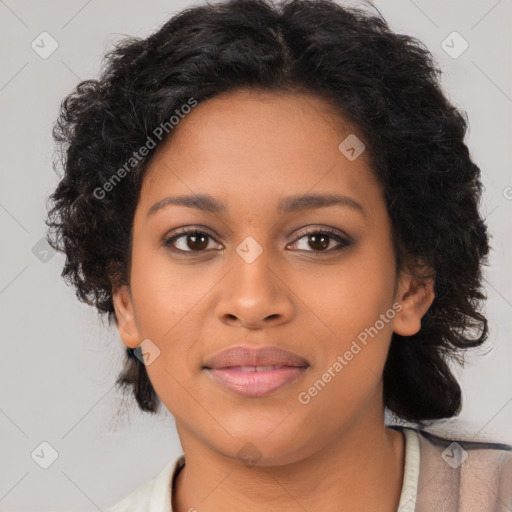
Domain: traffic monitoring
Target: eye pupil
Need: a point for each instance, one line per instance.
(194, 237)
(315, 239)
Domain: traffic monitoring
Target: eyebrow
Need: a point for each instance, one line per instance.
(290, 204)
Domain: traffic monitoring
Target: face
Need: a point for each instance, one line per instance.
(314, 278)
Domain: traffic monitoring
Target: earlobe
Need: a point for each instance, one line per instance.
(415, 296)
(125, 316)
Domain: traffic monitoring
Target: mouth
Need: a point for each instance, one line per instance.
(255, 372)
(254, 381)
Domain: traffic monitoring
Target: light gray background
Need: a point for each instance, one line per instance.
(59, 362)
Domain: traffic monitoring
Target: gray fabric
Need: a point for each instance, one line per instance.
(463, 476)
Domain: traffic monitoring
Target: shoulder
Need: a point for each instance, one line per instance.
(467, 472)
(456, 452)
(154, 495)
(136, 501)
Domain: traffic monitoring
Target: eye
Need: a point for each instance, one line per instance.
(190, 240)
(197, 240)
(320, 240)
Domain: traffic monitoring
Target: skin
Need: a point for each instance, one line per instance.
(250, 149)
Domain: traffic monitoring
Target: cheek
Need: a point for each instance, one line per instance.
(355, 306)
(358, 308)
(164, 292)
(165, 302)
(345, 299)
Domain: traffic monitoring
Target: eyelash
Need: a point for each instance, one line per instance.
(343, 241)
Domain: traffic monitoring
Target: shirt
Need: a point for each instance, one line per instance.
(440, 475)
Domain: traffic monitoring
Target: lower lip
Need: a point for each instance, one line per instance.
(254, 384)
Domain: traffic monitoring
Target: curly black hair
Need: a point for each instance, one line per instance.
(386, 84)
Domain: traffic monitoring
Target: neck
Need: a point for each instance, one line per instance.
(361, 468)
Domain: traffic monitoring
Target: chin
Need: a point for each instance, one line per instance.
(260, 449)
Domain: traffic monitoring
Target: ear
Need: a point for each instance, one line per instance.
(415, 295)
(125, 317)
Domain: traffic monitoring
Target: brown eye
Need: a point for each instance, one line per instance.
(321, 241)
(189, 241)
(197, 241)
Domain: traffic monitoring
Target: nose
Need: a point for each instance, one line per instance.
(254, 296)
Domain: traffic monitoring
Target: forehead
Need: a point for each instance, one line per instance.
(253, 145)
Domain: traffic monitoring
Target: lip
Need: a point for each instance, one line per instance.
(236, 369)
(256, 383)
(247, 356)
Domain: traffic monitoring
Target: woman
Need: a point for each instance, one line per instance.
(275, 205)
